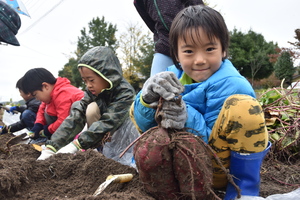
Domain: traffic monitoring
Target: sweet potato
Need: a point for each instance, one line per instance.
(174, 164)
(155, 164)
(192, 165)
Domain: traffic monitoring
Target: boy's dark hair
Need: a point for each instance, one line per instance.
(19, 85)
(193, 18)
(33, 79)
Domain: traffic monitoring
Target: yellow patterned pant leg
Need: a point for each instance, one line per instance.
(131, 115)
(239, 127)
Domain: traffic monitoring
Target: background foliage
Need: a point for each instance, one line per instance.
(263, 63)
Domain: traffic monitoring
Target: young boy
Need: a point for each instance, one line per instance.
(104, 108)
(220, 103)
(28, 112)
(56, 94)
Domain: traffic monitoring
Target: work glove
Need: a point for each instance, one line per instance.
(47, 153)
(31, 135)
(39, 130)
(163, 84)
(45, 132)
(173, 114)
(3, 129)
(13, 110)
(72, 147)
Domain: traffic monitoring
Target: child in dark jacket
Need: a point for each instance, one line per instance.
(57, 96)
(104, 108)
(28, 112)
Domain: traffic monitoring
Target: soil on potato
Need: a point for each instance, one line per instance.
(76, 177)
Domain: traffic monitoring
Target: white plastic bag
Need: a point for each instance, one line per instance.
(294, 195)
(121, 139)
(9, 118)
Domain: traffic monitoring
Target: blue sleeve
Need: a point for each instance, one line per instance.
(144, 116)
(197, 124)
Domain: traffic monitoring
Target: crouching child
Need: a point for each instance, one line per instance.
(104, 108)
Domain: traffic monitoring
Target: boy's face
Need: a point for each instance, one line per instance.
(45, 94)
(199, 57)
(94, 83)
(26, 97)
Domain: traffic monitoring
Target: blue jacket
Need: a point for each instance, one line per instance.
(204, 100)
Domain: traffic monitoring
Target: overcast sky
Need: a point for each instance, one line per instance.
(49, 36)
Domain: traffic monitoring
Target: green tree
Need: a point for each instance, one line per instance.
(98, 33)
(144, 57)
(249, 53)
(297, 37)
(284, 68)
(134, 51)
(67, 70)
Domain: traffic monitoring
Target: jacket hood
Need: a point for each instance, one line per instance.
(104, 62)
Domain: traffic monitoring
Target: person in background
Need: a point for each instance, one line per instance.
(105, 109)
(10, 24)
(57, 96)
(1, 115)
(217, 102)
(158, 16)
(28, 112)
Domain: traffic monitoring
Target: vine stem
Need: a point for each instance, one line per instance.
(284, 183)
(158, 120)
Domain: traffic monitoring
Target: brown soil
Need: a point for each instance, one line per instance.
(76, 177)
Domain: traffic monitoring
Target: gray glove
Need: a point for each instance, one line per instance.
(173, 114)
(163, 84)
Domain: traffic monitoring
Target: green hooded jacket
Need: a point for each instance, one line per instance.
(114, 103)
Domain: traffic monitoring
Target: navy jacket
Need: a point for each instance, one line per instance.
(158, 16)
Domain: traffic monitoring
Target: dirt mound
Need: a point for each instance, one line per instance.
(76, 177)
(63, 176)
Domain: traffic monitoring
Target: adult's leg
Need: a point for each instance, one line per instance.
(160, 63)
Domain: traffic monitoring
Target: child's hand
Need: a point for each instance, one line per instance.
(163, 84)
(13, 110)
(34, 133)
(72, 147)
(173, 114)
(4, 129)
(47, 153)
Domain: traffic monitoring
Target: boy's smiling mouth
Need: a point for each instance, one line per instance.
(197, 69)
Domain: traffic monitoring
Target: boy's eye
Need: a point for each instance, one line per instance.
(188, 51)
(210, 49)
